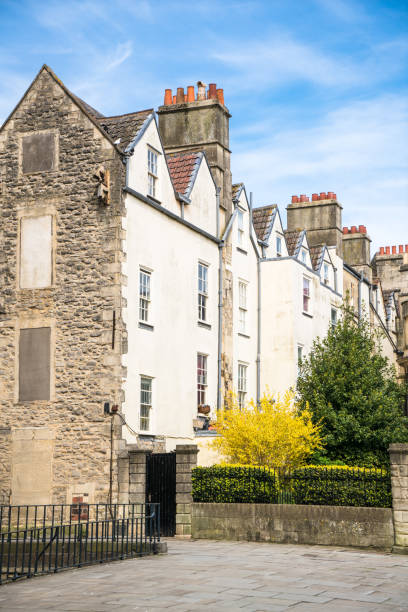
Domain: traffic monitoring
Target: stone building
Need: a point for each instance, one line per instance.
(139, 285)
(61, 332)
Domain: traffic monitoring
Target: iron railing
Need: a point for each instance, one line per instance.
(44, 539)
(328, 486)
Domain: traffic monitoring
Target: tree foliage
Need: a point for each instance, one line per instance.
(273, 434)
(353, 393)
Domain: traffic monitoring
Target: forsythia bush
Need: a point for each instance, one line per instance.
(271, 434)
(310, 485)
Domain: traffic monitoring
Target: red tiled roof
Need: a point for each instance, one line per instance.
(292, 240)
(316, 253)
(262, 218)
(182, 168)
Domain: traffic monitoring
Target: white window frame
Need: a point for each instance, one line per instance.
(242, 306)
(152, 174)
(306, 285)
(202, 378)
(278, 246)
(333, 320)
(242, 384)
(241, 231)
(145, 420)
(145, 295)
(202, 280)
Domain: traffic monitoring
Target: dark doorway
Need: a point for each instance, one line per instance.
(161, 488)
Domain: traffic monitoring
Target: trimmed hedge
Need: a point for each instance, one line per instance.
(310, 485)
(231, 484)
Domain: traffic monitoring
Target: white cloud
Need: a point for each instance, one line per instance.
(121, 54)
(358, 151)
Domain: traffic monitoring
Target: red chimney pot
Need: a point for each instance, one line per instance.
(190, 93)
(303, 197)
(394, 250)
(220, 96)
(315, 197)
(174, 99)
(212, 91)
(362, 229)
(180, 95)
(387, 250)
(345, 230)
(354, 229)
(400, 248)
(168, 97)
(330, 195)
(381, 250)
(323, 195)
(295, 199)
(406, 248)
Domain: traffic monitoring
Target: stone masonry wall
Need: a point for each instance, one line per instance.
(291, 524)
(85, 351)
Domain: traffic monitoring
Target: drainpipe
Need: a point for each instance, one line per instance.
(258, 339)
(217, 199)
(360, 288)
(220, 312)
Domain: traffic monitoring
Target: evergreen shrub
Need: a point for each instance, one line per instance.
(310, 485)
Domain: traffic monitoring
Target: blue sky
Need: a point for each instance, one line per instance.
(317, 88)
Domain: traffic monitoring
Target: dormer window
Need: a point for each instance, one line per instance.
(240, 228)
(303, 256)
(278, 246)
(152, 172)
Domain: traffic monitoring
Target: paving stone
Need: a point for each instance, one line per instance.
(214, 576)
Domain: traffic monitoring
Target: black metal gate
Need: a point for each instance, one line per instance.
(161, 488)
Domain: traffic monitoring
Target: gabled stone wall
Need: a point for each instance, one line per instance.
(82, 306)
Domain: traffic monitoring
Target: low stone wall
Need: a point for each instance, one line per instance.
(292, 524)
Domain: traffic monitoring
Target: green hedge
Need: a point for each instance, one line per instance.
(311, 485)
(225, 484)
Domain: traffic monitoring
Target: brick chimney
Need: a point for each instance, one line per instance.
(356, 249)
(320, 215)
(200, 122)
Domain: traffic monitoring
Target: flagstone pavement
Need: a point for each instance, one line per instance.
(209, 575)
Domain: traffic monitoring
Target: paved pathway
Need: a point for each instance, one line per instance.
(208, 575)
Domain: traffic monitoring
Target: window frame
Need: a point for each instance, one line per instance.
(152, 171)
(148, 417)
(326, 273)
(242, 383)
(202, 378)
(148, 274)
(333, 320)
(242, 306)
(240, 227)
(306, 296)
(278, 246)
(202, 294)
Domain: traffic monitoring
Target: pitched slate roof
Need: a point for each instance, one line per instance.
(90, 109)
(124, 128)
(183, 168)
(293, 241)
(262, 219)
(316, 255)
(236, 190)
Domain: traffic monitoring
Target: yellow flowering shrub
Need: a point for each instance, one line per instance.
(272, 433)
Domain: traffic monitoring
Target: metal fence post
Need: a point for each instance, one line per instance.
(186, 460)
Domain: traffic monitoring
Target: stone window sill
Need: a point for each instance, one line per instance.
(203, 324)
(146, 326)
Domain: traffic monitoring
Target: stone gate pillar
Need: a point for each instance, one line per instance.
(186, 460)
(399, 485)
(137, 476)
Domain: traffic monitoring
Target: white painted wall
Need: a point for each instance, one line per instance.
(284, 325)
(168, 353)
(244, 267)
(202, 211)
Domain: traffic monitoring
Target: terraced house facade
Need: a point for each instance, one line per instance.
(137, 279)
